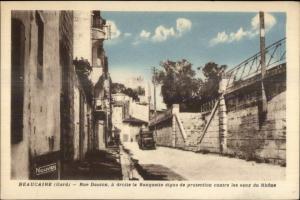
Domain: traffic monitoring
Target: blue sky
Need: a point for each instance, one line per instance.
(141, 40)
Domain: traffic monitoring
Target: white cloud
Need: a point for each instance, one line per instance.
(220, 38)
(238, 35)
(270, 21)
(223, 37)
(127, 34)
(115, 32)
(183, 25)
(162, 33)
(116, 35)
(145, 34)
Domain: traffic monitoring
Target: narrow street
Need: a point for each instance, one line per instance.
(219, 107)
(175, 164)
(150, 101)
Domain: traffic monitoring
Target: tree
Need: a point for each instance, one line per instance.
(213, 72)
(117, 88)
(83, 70)
(140, 91)
(121, 88)
(178, 82)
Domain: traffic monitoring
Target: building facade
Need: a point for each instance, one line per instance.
(36, 86)
(128, 117)
(52, 118)
(102, 90)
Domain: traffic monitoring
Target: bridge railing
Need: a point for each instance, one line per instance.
(275, 55)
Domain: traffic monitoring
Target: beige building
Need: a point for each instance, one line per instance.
(52, 118)
(129, 116)
(39, 55)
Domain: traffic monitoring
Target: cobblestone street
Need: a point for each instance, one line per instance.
(179, 164)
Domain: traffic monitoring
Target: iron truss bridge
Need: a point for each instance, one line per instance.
(275, 55)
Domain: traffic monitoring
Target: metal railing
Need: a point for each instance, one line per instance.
(275, 55)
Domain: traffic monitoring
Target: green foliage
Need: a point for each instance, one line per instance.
(121, 88)
(83, 70)
(117, 88)
(131, 93)
(178, 81)
(213, 72)
(140, 91)
(82, 66)
(180, 85)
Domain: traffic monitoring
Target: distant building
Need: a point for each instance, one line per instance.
(128, 116)
(102, 91)
(131, 127)
(134, 82)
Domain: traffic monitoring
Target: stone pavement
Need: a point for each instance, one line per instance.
(175, 164)
(128, 166)
(99, 165)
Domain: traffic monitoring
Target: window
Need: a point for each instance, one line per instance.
(17, 79)
(40, 49)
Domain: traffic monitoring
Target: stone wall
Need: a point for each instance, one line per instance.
(76, 133)
(246, 137)
(42, 84)
(45, 94)
(68, 78)
(51, 102)
(164, 135)
(179, 139)
(193, 124)
(82, 35)
(211, 139)
(20, 150)
(139, 111)
(240, 131)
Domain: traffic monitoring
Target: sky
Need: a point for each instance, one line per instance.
(141, 40)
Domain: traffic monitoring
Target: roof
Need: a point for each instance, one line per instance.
(161, 117)
(134, 120)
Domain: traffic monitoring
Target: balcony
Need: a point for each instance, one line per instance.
(99, 110)
(100, 114)
(98, 34)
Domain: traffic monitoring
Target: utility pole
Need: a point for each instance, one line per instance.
(149, 100)
(263, 102)
(154, 99)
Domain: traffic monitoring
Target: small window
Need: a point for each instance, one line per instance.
(40, 49)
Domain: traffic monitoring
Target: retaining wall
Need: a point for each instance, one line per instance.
(246, 135)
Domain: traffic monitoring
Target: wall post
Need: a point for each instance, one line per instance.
(175, 110)
(223, 116)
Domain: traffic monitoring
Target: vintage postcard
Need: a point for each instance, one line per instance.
(177, 100)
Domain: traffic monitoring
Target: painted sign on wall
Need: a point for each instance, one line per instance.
(46, 167)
